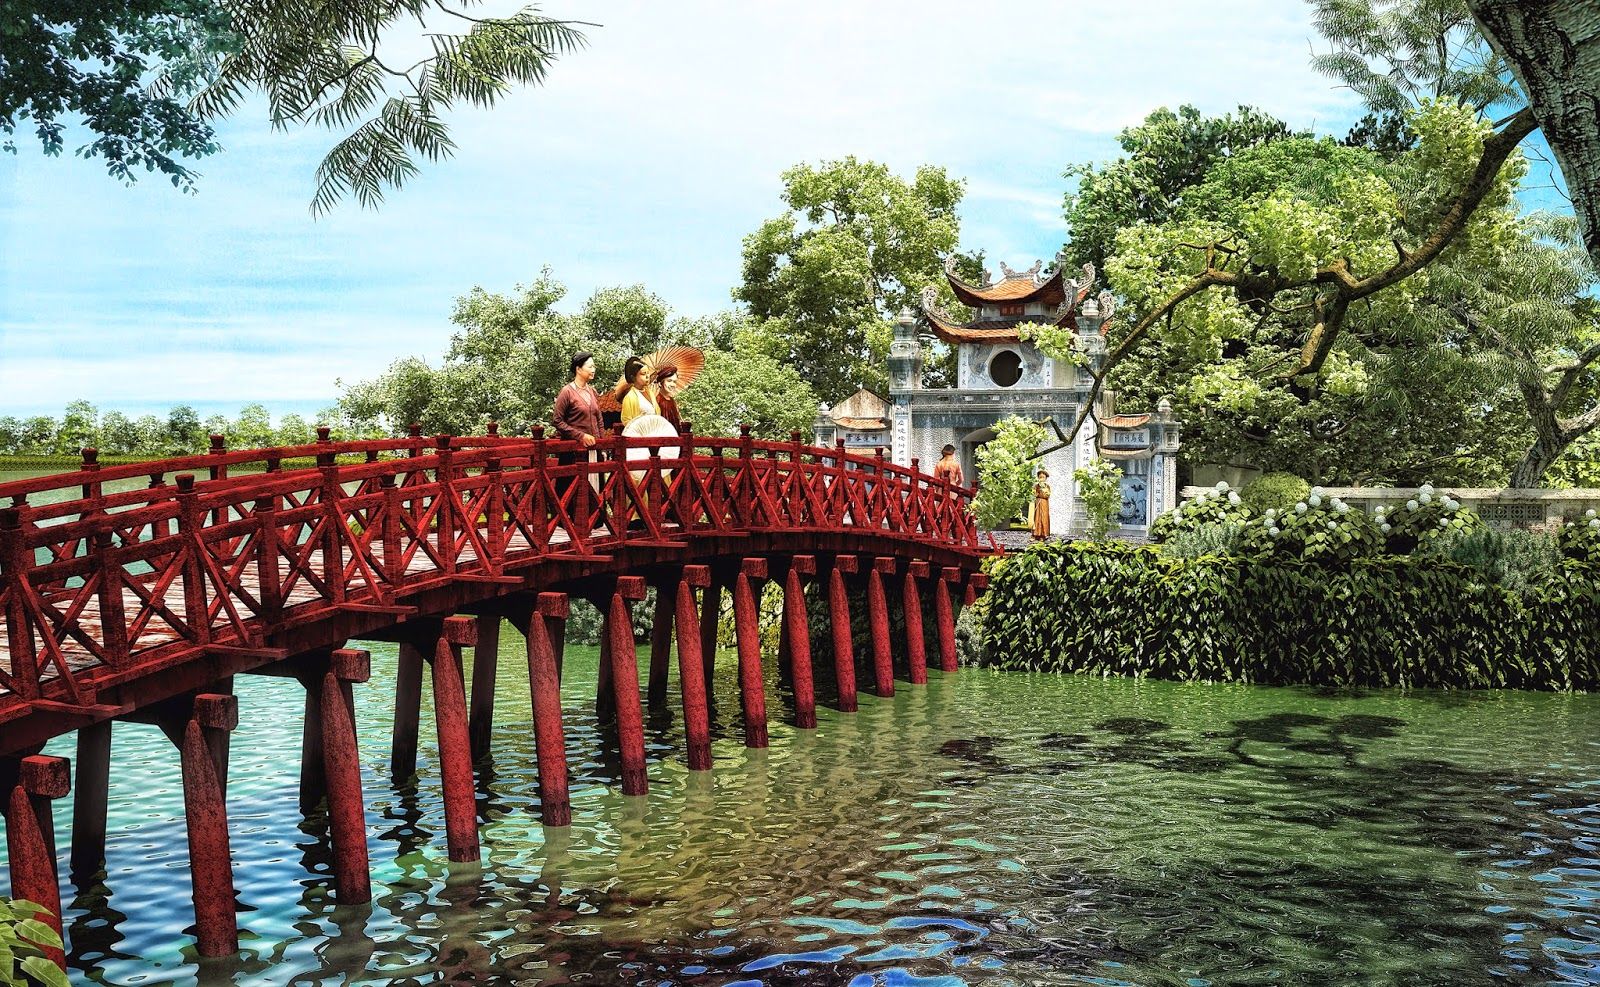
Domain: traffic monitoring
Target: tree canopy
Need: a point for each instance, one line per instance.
(511, 354)
(150, 78)
(855, 245)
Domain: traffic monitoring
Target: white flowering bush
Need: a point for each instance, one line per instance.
(1319, 529)
(1100, 492)
(1579, 537)
(1219, 505)
(1429, 515)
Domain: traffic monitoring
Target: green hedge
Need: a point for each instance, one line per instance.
(1408, 621)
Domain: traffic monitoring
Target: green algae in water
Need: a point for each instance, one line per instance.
(990, 828)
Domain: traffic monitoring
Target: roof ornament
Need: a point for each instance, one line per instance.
(930, 304)
(1108, 304)
(1032, 273)
(1080, 286)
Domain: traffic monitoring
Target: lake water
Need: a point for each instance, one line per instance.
(997, 828)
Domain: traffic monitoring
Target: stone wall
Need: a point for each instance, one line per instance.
(1507, 506)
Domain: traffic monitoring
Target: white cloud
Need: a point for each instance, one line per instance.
(645, 159)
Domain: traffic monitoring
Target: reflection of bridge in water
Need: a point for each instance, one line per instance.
(142, 604)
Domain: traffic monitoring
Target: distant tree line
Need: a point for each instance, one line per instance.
(181, 432)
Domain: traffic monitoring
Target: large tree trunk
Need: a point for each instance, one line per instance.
(1553, 46)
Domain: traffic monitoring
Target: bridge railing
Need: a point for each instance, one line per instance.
(102, 586)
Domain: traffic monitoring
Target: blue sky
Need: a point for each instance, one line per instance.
(645, 159)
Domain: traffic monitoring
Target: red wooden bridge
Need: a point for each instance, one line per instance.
(138, 592)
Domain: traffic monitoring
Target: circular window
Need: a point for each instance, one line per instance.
(1006, 368)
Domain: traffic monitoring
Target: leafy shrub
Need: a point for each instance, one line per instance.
(1428, 515)
(22, 936)
(1326, 531)
(1100, 490)
(1579, 538)
(1515, 559)
(1418, 621)
(1006, 467)
(1274, 491)
(1221, 538)
(1219, 505)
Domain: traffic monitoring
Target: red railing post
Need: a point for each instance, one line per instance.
(444, 517)
(745, 495)
(683, 504)
(191, 532)
(269, 577)
(394, 564)
(113, 616)
(16, 560)
(330, 493)
(615, 475)
(539, 510)
(91, 465)
(494, 510)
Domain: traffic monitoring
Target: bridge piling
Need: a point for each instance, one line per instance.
(844, 658)
(944, 616)
(710, 618)
(407, 712)
(747, 628)
(691, 673)
(211, 718)
(455, 746)
(547, 620)
(625, 684)
(797, 622)
(485, 662)
(32, 783)
(91, 792)
(313, 778)
(661, 646)
(341, 763)
(605, 699)
(911, 604)
(878, 617)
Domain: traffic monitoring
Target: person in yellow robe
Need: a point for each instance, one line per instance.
(1039, 510)
(638, 398)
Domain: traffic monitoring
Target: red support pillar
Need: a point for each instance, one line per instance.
(660, 646)
(844, 657)
(911, 604)
(30, 836)
(605, 697)
(797, 622)
(625, 684)
(944, 615)
(710, 618)
(485, 661)
(878, 615)
(341, 767)
(203, 736)
(455, 748)
(747, 628)
(407, 712)
(691, 673)
(89, 798)
(313, 779)
(544, 682)
(976, 583)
